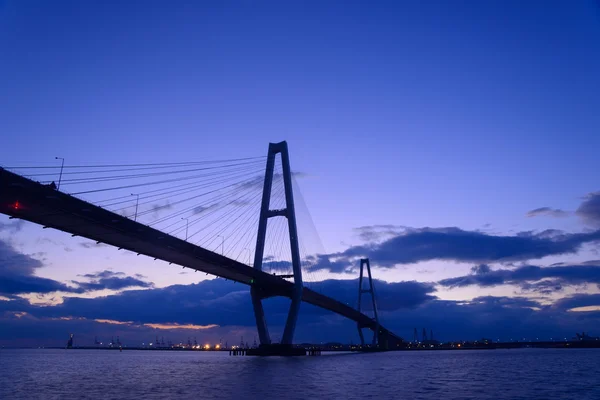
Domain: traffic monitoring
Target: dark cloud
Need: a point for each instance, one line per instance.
(219, 302)
(202, 209)
(589, 210)
(240, 203)
(402, 307)
(113, 284)
(390, 296)
(504, 301)
(454, 244)
(299, 174)
(157, 208)
(373, 233)
(277, 266)
(309, 264)
(532, 278)
(502, 318)
(258, 181)
(547, 211)
(103, 274)
(21, 284)
(111, 280)
(92, 245)
(325, 262)
(215, 302)
(577, 300)
(547, 286)
(17, 274)
(11, 227)
(13, 262)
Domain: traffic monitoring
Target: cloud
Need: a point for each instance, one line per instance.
(214, 303)
(92, 245)
(329, 263)
(548, 286)
(373, 233)
(218, 302)
(277, 266)
(13, 262)
(503, 318)
(17, 274)
(577, 300)
(505, 302)
(547, 211)
(103, 274)
(544, 280)
(201, 306)
(12, 227)
(202, 209)
(258, 181)
(299, 174)
(111, 280)
(589, 210)
(13, 285)
(453, 244)
(157, 208)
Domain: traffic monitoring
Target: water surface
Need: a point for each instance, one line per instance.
(435, 375)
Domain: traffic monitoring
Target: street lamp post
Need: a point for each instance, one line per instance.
(137, 201)
(62, 165)
(187, 223)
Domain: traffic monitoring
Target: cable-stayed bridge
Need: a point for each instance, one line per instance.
(203, 215)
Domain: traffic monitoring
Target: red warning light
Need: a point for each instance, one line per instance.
(16, 206)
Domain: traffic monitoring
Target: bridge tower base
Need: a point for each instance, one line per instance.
(285, 347)
(376, 335)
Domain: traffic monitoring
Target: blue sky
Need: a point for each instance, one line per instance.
(417, 114)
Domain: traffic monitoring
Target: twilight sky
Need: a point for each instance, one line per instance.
(453, 143)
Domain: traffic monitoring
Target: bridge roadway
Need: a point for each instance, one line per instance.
(25, 199)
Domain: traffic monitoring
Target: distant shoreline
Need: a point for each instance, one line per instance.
(350, 348)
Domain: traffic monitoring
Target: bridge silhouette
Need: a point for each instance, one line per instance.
(47, 205)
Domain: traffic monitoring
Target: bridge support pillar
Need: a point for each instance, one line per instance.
(365, 262)
(289, 213)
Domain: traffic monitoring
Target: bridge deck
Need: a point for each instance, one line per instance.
(29, 200)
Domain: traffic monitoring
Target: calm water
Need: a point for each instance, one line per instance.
(498, 374)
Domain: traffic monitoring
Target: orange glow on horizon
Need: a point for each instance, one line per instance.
(178, 326)
(113, 322)
(585, 309)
